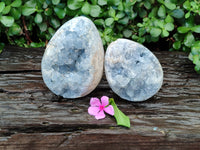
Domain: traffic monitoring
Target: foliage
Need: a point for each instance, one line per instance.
(31, 23)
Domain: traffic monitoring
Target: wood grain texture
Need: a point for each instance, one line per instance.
(20, 59)
(32, 117)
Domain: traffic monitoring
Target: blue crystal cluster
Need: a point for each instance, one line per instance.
(72, 64)
(132, 71)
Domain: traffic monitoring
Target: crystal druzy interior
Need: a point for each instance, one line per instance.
(132, 71)
(72, 64)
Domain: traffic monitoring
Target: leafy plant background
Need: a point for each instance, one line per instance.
(31, 23)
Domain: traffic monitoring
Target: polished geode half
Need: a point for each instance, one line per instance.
(72, 65)
(133, 72)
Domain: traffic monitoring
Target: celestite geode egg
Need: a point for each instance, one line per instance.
(72, 65)
(133, 72)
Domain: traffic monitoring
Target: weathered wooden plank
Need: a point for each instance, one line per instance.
(36, 111)
(20, 59)
(22, 82)
(95, 139)
(30, 112)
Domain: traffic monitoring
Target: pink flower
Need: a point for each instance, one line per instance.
(97, 108)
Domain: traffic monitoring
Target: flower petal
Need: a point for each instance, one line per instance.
(104, 100)
(100, 115)
(94, 101)
(93, 110)
(109, 110)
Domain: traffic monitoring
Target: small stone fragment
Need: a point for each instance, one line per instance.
(72, 65)
(133, 72)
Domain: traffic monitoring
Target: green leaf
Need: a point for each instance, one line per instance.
(109, 21)
(196, 29)
(107, 38)
(190, 22)
(140, 25)
(95, 11)
(38, 18)
(162, 11)
(177, 45)
(27, 11)
(190, 57)
(15, 29)
(120, 117)
(189, 40)
(59, 12)
(51, 31)
(161, 1)
(141, 40)
(169, 26)
(35, 45)
(2, 45)
(154, 39)
(102, 2)
(7, 21)
(142, 31)
(48, 12)
(6, 10)
(197, 69)
(124, 20)
(196, 59)
(99, 22)
(183, 29)
(142, 13)
(107, 31)
(159, 23)
(178, 13)
(43, 26)
(187, 15)
(86, 8)
(55, 2)
(120, 6)
(94, 2)
(155, 32)
(170, 5)
(153, 12)
(178, 37)
(15, 13)
(16, 3)
(2, 6)
(45, 5)
(55, 23)
(186, 5)
(194, 4)
(131, 2)
(30, 3)
(147, 4)
(120, 15)
(113, 2)
(111, 12)
(197, 44)
(195, 50)
(165, 33)
(127, 33)
(169, 19)
(71, 13)
(74, 4)
(135, 37)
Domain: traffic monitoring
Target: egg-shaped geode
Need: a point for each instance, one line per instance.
(133, 72)
(72, 65)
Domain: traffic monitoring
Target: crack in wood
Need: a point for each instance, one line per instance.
(18, 71)
(52, 128)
